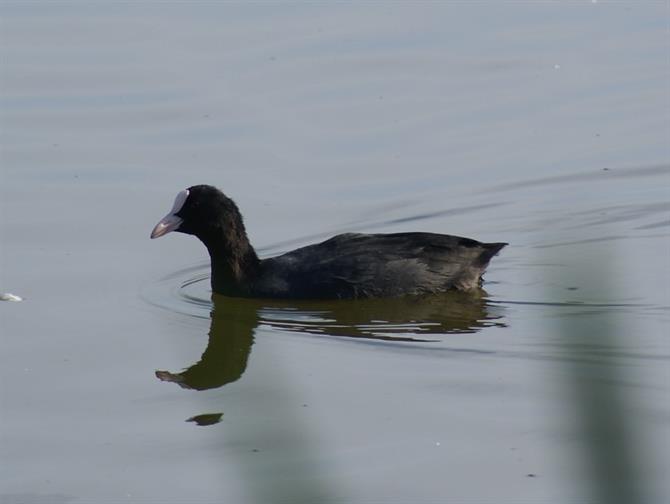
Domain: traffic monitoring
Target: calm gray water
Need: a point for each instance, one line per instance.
(545, 125)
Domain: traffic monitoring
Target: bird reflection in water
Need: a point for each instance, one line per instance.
(423, 320)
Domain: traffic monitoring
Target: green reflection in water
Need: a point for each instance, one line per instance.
(601, 403)
(273, 451)
(409, 319)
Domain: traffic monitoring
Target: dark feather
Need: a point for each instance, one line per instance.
(349, 265)
(377, 265)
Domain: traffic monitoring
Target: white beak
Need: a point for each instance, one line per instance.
(168, 223)
(171, 222)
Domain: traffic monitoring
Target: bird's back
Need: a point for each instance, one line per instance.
(356, 265)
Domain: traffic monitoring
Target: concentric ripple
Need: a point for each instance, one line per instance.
(185, 291)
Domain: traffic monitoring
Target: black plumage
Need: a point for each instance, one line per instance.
(350, 265)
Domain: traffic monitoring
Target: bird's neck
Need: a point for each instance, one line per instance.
(235, 265)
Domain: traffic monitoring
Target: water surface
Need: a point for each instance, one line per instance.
(542, 125)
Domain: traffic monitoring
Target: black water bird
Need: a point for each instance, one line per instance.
(350, 265)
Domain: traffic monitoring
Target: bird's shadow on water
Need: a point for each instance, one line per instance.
(406, 321)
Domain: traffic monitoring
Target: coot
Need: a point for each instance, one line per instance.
(350, 265)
